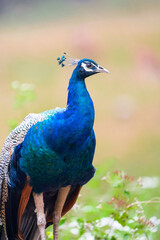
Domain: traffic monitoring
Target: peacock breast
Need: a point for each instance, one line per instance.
(50, 170)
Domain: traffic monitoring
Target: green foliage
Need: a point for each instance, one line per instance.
(13, 123)
(121, 218)
(24, 93)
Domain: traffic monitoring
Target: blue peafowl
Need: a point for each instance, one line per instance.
(47, 159)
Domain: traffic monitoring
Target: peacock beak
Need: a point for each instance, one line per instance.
(101, 69)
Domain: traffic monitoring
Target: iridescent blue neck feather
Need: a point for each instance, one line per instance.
(78, 96)
(80, 103)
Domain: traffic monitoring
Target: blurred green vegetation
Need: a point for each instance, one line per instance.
(122, 36)
(118, 215)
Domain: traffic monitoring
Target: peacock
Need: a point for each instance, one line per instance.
(46, 160)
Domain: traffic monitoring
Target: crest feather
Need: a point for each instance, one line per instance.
(67, 60)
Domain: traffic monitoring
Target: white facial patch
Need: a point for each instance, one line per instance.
(84, 65)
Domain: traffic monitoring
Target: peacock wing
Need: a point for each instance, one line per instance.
(14, 139)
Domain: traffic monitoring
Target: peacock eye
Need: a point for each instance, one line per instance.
(89, 65)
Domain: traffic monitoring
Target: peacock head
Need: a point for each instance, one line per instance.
(85, 67)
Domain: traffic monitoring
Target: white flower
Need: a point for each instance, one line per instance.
(87, 236)
(27, 86)
(155, 220)
(109, 232)
(104, 221)
(73, 224)
(76, 206)
(150, 182)
(99, 206)
(126, 228)
(143, 237)
(74, 231)
(135, 218)
(15, 84)
(89, 226)
(130, 221)
(104, 178)
(113, 225)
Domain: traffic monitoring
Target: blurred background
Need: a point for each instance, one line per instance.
(121, 35)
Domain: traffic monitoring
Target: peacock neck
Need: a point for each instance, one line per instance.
(79, 100)
(72, 127)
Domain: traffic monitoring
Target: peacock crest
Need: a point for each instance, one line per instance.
(67, 60)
